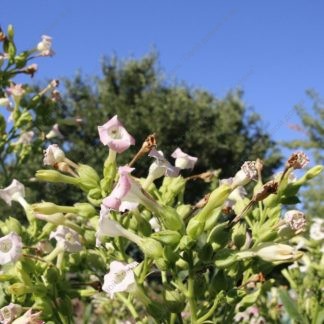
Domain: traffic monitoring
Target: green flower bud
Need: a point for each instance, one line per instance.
(184, 210)
(205, 253)
(12, 225)
(55, 176)
(225, 258)
(182, 264)
(94, 196)
(85, 210)
(313, 172)
(151, 248)
(239, 234)
(194, 228)
(170, 255)
(19, 289)
(219, 236)
(175, 301)
(167, 237)
(170, 218)
(46, 208)
(186, 242)
(10, 32)
(24, 119)
(89, 178)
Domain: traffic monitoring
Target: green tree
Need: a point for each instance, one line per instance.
(312, 128)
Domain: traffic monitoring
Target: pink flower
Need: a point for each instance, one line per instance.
(10, 248)
(127, 193)
(161, 166)
(5, 102)
(45, 46)
(183, 160)
(120, 278)
(115, 136)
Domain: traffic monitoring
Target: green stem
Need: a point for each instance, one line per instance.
(212, 309)
(129, 305)
(191, 291)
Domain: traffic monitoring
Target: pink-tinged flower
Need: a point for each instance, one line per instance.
(10, 248)
(247, 173)
(127, 193)
(298, 160)
(54, 132)
(15, 191)
(67, 238)
(295, 219)
(316, 231)
(45, 46)
(53, 155)
(16, 90)
(115, 136)
(29, 318)
(161, 166)
(120, 278)
(183, 160)
(9, 313)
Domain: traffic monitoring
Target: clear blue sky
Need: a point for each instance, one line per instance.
(273, 50)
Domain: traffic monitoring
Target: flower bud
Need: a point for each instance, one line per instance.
(170, 218)
(174, 300)
(278, 252)
(184, 210)
(239, 234)
(151, 248)
(85, 210)
(89, 178)
(167, 237)
(13, 225)
(19, 289)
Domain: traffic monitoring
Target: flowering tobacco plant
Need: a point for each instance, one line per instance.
(134, 250)
(139, 243)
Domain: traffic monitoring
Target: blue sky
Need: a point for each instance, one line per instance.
(273, 50)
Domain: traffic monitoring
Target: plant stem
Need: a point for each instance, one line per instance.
(191, 292)
(129, 305)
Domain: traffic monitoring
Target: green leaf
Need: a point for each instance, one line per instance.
(293, 200)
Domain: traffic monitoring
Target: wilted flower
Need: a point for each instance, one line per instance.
(45, 46)
(29, 318)
(53, 154)
(250, 316)
(161, 166)
(295, 220)
(183, 160)
(278, 252)
(15, 191)
(316, 231)
(247, 173)
(10, 248)
(54, 132)
(297, 160)
(67, 238)
(9, 313)
(127, 193)
(115, 136)
(120, 278)
(31, 69)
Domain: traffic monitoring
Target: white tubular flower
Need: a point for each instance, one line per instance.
(53, 155)
(29, 318)
(247, 173)
(278, 252)
(9, 313)
(67, 238)
(5, 102)
(109, 227)
(183, 160)
(54, 132)
(15, 191)
(10, 248)
(120, 278)
(236, 195)
(316, 231)
(162, 165)
(45, 46)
